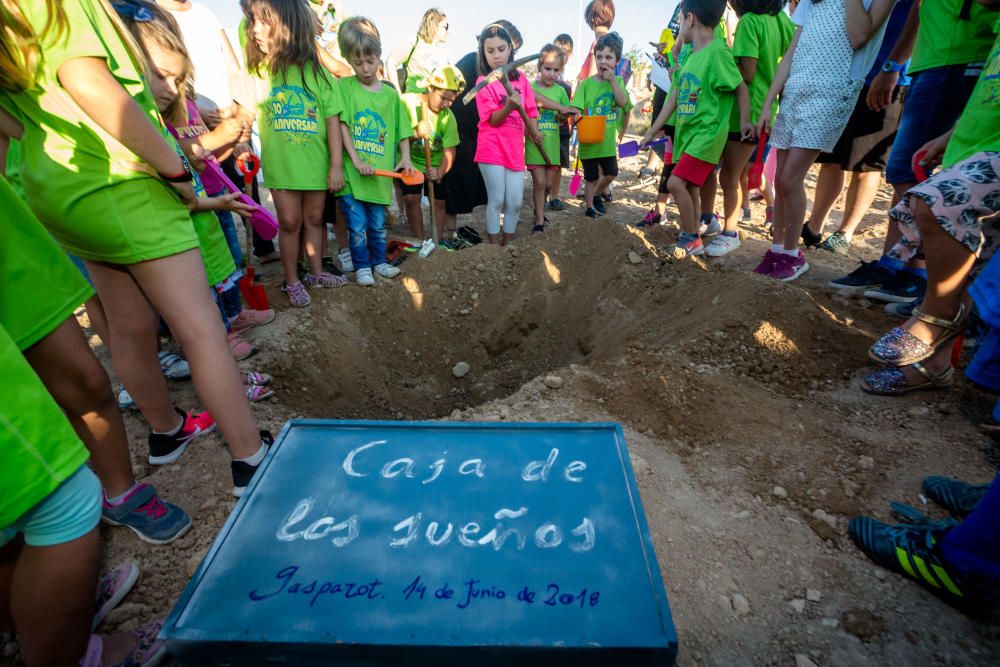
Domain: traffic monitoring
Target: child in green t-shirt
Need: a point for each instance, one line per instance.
(435, 128)
(299, 113)
(553, 105)
(602, 95)
(375, 121)
(707, 85)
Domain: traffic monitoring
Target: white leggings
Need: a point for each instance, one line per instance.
(505, 190)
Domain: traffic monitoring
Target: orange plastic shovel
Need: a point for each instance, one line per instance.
(410, 178)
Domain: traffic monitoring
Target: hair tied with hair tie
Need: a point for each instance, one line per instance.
(132, 9)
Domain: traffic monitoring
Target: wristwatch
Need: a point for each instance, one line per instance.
(891, 66)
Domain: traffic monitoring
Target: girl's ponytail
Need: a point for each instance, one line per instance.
(20, 51)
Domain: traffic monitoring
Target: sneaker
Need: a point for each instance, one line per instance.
(112, 589)
(386, 270)
(447, 244)
(164, 449)
(297, 294)
(866, 276)
(346, 263)
(692, 245)
(766, 265)
(956, 496)
(901, 288)
(556, 204)
(712, 227)
(153, 520)
(324, 279)
(364, 277)
(240, 348)
(652, 218)
(769, 216)
(257, 392)
(836, 243)
(607, 198)
(599, 205)
(903, 310)
(810, 238)
(249, 318)
(645, 172)
(789, 267)
(125, 400)
(723, 244)
(747, 215)
(912, 550)
(592, 213)
(174, 367)
(148, 651)
(243, 472)
(329, 266)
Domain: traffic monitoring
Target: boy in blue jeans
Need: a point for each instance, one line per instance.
(374, 122)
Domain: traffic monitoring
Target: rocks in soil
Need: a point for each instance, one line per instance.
(740, 604)
(803, 660)
(866, 462)
(553, 381)
(634, 257)
(779, 492)
(813, 595)
(798, 605)
(461, 369)
(863, 624)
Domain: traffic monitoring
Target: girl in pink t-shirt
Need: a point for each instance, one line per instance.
(500, 152)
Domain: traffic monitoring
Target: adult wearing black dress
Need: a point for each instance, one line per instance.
(464, 182)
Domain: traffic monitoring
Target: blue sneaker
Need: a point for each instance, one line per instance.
(904, 287)
(867, 276)
(599, 206)
(956, 496)
(153, 520)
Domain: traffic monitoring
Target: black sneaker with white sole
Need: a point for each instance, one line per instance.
(243, 472)
(164, 448)
(904, 287)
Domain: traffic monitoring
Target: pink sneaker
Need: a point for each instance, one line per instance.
(249, 318)
(111, 589)
(790, 267)
(766, 265)
(147, 652)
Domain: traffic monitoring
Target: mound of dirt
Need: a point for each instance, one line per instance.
(751, 443)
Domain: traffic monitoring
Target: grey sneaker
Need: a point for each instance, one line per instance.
(346, 263)
(173, 366)
(836, 243)
(153, 520)
(710, 228)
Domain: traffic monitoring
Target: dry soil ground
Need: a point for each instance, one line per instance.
(728, 386)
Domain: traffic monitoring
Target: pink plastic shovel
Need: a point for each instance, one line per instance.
(574, 184)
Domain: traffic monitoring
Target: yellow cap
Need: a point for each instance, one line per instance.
(447, 77)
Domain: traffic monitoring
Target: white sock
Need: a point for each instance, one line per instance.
(117, 500)
(777, 247)
(174, 431)
(256, 458)
(794, 252)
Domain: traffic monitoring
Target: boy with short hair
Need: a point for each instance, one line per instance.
(374, 121)
(707, 84)
(432, 120)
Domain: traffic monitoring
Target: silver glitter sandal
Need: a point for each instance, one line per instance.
(901, 348)
(893, 382)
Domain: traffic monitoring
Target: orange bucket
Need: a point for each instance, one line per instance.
(590, 129)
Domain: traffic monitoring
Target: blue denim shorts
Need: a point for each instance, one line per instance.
(933, 104)
(66, 514)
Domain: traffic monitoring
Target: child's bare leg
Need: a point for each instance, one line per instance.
(539, 183)
(98, 320)
(440, 216)
(555, 182)
(288, 203)
(707, 193)
(315, 230)
(340, 231)
(414, 215)
(79, 384)
(589, 191)
(603, 183)
(829, 185)
(679, 189)
(791, 189)
(178, 289)
(134, 346)
(734, 161)
(744, 185)
(694, 191)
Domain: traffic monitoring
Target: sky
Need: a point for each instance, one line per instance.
(637, 21)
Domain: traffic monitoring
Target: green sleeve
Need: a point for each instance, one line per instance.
(628, 103)
(746, 43)
(563, 97)
(580, 97)
(90, 33)
(727, 74)
(403, 124)
(330, 101)
(449, 129)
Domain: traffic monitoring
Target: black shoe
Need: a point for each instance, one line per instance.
(605, 198)
(556, 205)
(866, 276)
(243, 472)
(809, 238)
(904, 287)
(331, 267)
(592, 213)
(164, 449)
(956, 496)
(599, 206)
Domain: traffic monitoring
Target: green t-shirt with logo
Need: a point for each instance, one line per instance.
(548, 125)
(291, 118)
(978, 129)
(377, 121)
(704, 97)
(945, 38)
(597, 98)
(444, 131)
(765, 38)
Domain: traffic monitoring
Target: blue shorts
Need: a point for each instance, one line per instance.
(66, 514)
(933, 104)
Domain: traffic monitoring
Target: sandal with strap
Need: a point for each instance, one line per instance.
(147, 652)
(901, 348)
(892, 381)
(258, 392)
(253, 378)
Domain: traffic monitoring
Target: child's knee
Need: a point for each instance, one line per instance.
(676, 185)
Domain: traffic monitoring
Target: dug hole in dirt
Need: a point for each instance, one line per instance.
(751, 443)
